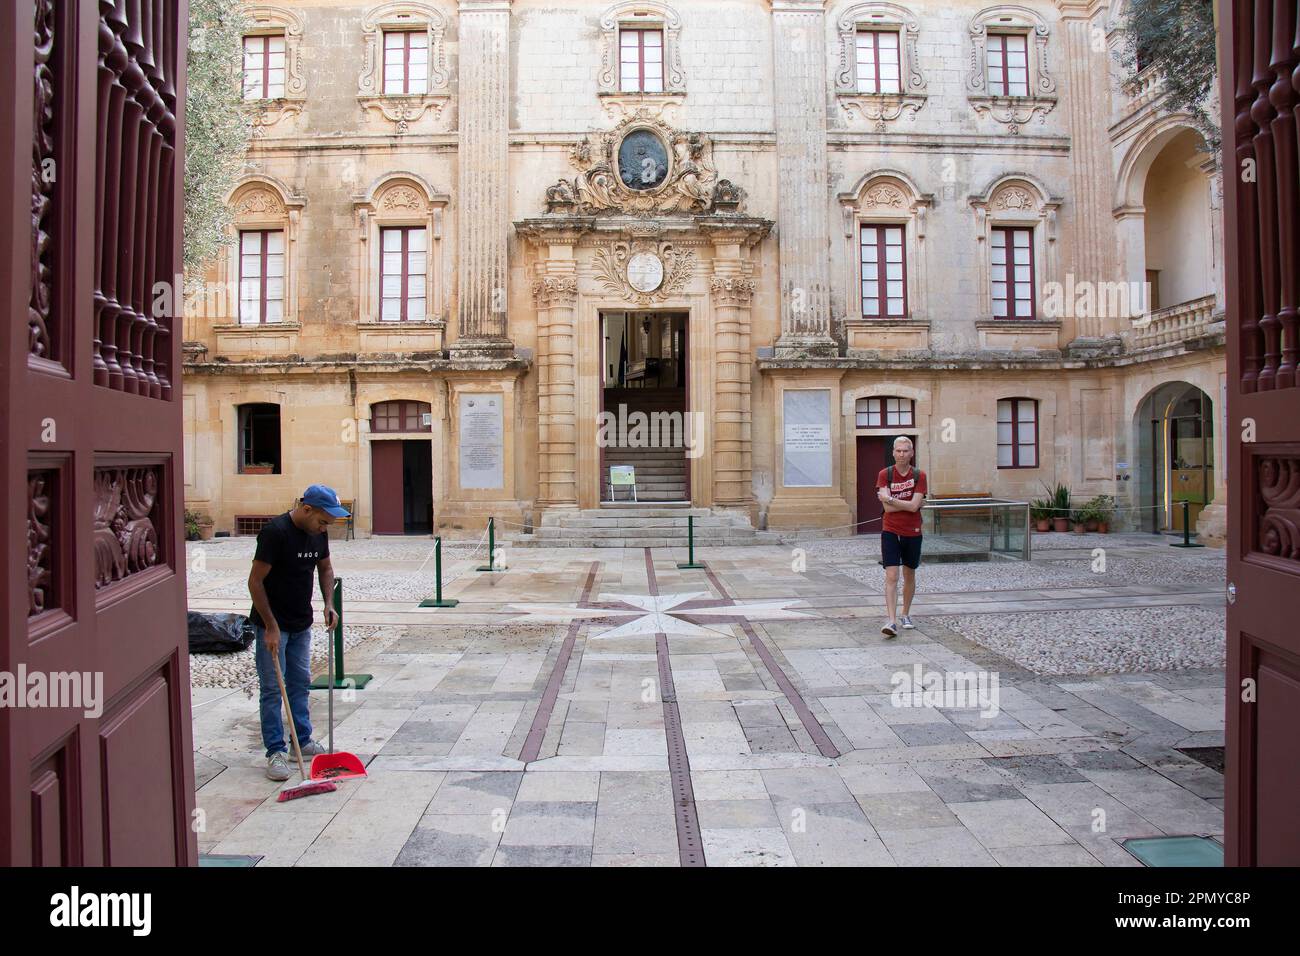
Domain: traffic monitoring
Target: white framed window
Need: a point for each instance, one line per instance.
(403, 267)
(406, 62)
(879, 61)
(1012, 270)
(265, 67)
(641, 60)
(1008, 64)
(261, 276)
(1017, 433)
(883, 258)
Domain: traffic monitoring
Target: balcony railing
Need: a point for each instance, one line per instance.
(1178, 323)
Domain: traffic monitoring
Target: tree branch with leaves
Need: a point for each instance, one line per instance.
(1176, 39)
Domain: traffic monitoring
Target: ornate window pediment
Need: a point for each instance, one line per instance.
(889, 207)
(879, 108)
(401, 200)
(1005, 104)
(666, 84)
(262, 206)
(404, 109)
(269, 21)
(1016, 201)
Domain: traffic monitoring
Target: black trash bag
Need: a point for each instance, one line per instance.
(219, 633)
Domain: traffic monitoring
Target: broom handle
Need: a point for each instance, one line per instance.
(284, 696)
(329, 667)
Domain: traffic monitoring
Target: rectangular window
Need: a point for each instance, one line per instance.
(1013, 273)
(406, 62)
(641, 60)
(261, 276)
(884, 272)
(879, 70)
(886, 412)
(1008, 64)
(1017, 433)
(263, 67)
(259, 439)
(402, 274)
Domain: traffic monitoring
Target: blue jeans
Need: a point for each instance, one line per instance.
(295, 663)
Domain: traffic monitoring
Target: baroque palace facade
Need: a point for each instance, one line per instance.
(470, 228)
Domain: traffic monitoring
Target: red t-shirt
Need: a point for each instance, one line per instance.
(906, 524)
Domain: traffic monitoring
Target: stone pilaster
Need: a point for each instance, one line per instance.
(483, 219)
(732, 292)
(799, 54)
(1092, 257)
(555, 291)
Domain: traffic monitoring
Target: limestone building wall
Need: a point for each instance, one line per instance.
(760, 94)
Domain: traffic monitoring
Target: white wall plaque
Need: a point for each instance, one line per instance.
(806, 444)
(482, 440)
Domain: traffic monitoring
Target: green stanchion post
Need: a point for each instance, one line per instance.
(690, 564)
(1187, 529)
(437, 575)
(341, 679)
(492, 547)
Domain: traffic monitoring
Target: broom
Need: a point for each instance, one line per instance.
(308, 787)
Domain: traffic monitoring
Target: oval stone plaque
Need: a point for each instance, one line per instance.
(642, 160)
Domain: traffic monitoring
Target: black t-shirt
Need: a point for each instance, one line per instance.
(293, 555)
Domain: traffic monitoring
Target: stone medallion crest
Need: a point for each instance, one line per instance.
(644, 167)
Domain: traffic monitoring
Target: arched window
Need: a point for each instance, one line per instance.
(261, 266)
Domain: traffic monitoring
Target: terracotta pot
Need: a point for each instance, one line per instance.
(1080, 528)
(257, 469)
(1044, 524)
(205, 530)
(1061, 524)
(1103, 527)
(1092, 526)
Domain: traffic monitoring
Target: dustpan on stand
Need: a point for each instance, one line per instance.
(335, 766)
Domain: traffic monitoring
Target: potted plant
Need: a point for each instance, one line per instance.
(1059, 503)
(191, 525)
(1080, 518)
(259, 468)
(1103, 506)
(1040, 513)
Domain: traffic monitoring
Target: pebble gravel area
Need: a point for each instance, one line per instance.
(240, 669)
(1106, 641)
(1124, 560)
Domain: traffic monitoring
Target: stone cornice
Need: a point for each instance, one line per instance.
(797, 6)
(1080, 9)
(342, 364)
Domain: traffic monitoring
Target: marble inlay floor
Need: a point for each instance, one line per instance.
(811, 738)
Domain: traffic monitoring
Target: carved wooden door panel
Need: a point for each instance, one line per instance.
(1259, 95)
(386, 486)
(97, 769)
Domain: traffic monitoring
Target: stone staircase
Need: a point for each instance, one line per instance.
(660, 472)
(643, 526)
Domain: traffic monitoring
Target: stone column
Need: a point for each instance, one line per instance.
(731, 291)
(556, 294)
(799, 61)
(482, 220)
(1091, 180)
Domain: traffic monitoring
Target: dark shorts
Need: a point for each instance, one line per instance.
(898, 549)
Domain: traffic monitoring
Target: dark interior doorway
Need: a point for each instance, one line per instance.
(417, 487)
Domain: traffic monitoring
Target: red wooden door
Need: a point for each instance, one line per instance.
(1258, 86)
(873, 454)
(386, 486)
(92, 105)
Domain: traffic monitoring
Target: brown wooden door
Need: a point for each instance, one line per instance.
(386, 486)
(92, 105)
(873, 454)
(1259, 99)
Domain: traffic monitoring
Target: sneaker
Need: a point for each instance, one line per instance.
(890, 629)
(904, 620)
(313, 748)
(277, 766)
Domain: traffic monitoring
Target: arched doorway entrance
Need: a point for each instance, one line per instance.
(1174, 438)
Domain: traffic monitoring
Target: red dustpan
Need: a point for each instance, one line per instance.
(335, 766)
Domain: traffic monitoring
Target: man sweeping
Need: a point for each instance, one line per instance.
(902, 490)
(289, 549)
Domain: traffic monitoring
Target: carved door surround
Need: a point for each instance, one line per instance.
(579, 269)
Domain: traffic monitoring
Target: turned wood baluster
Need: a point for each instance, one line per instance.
(105, 80)
(133, 135)
(116, 59)
(1247, 200)
(1283, 97)
(164, 268)
(1262, 112)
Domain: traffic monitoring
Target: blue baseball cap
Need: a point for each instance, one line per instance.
(325, 498)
